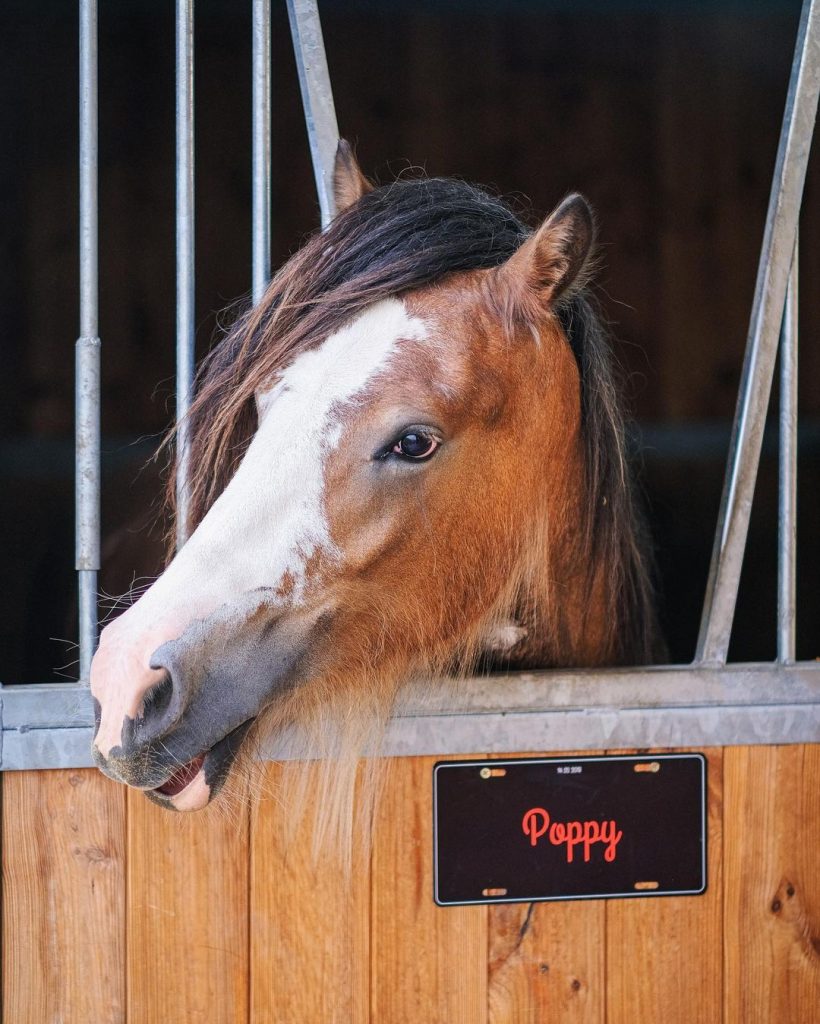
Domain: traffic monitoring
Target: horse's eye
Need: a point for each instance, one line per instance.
(416, 445)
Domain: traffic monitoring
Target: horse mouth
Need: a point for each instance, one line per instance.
(181, 777)
(192, 785)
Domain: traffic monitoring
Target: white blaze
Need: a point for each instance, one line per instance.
(270, 519)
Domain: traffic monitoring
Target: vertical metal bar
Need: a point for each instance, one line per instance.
(87, 364)
(261, 172)
(317, 99)
(184, 252)
(761, 344)
(787, 489)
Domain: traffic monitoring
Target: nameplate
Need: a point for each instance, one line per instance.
(569, 828)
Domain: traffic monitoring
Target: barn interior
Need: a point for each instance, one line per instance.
(665, 115)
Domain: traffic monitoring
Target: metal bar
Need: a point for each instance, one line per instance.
(46, 706)
(50, 725)
(89, 316)
(761, 345)
(317, 99)
(745, 725)
(787, 484)
(547, 732)
(47, 748)
(261, 172)
(87, 352)
(184, 252)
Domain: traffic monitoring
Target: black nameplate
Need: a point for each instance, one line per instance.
(574, 828)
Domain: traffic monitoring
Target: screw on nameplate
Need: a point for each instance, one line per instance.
(647, 766)
(644, 886)
(492, 773)
(493, 892)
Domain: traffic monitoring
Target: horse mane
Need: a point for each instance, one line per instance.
(397, 238)
(614, 535)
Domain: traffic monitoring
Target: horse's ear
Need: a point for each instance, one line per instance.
(553, 261)
(349, 184)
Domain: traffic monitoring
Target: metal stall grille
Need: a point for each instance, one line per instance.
(708, 702)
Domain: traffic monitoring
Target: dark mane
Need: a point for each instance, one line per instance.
(397, 238)
(616, 535)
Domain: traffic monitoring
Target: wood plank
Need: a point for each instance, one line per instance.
(772, 893)
(664, 955)
(187, 957)
(429, 962)
(547, 963)
(63, 898)
(546, 960)
(310, 927)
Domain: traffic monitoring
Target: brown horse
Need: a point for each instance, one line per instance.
(408, 460)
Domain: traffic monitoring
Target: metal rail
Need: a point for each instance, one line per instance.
(761, 347)
(261, 170)
(317, 99)
(787, 481)
(51, 725)
(87, 366)
(184, 254)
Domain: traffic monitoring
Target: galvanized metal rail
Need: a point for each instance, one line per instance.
(87, 383)
(787, 481)
(317, 99)
(261, 144)
(50, 726)
(779, 242)
(707, 703)
(185, 253)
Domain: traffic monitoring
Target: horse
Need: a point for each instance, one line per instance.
(408, 461)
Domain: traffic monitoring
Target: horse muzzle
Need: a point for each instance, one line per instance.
(213, 682)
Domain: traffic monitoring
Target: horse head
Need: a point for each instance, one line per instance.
(407, 460)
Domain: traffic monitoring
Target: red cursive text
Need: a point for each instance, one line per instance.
(536, 823)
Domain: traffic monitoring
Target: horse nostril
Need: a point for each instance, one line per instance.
(157, 700)
(159, 696)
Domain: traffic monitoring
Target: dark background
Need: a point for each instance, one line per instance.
(666, 115)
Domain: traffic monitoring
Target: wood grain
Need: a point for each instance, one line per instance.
(429, 962)
(547, 963)
(664, 955)
(63, 898)
(187, 957)
(310, 926)
(772, 889)
(546, 960)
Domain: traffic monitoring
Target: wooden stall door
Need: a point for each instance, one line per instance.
(114, 912)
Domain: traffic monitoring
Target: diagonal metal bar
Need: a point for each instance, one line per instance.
(317, 99)
(761, 345)
(261, 172)
(87, 368)
(787, 483)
